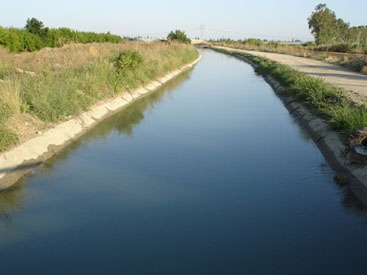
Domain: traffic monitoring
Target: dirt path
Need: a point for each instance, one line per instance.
(354, 83)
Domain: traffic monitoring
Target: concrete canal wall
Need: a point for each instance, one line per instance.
(21, 160)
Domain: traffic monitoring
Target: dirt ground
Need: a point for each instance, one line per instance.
(354, 83)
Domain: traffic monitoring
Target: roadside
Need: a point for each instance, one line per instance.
(354, 84)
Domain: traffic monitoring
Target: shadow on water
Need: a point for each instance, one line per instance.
(13, 199)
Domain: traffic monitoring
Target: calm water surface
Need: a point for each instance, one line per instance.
(209, 175)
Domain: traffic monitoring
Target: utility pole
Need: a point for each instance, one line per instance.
(202, 27)
(359, 39)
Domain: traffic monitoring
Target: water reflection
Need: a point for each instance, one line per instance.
(11, 201)
(351, 202)
(217, 174)
(14, 199)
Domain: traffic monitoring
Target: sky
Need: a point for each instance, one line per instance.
(264, 19)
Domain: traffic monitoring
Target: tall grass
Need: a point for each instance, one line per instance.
(69, 80)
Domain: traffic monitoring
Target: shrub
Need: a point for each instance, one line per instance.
(347, 119)
(253, 42)
(35, 36)
(178, 36)
(126, 64)
(342, 48)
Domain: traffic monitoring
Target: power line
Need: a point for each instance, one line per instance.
(202, 27)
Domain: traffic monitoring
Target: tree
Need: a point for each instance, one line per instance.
(342, 31)
(179, 36)
(323, 24)
(36, 27)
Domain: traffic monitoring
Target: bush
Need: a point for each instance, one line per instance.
(178, 36)
(356, 63)
(347, 119)
(253, 42)
(126, 64)
(342, 48)
(35, 36)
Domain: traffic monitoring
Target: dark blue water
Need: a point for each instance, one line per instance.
(209, 175)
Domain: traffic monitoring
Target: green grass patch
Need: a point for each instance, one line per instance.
(7, 138)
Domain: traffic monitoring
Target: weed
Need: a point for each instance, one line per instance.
(7, 138)
(68, 80)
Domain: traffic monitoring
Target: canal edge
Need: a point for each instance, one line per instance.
(21, 160)
(330, 143)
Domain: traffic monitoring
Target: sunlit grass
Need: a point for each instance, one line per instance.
(69, 80)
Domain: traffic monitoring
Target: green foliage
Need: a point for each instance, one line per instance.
(126, 64)
(356, 63)
(346, 118)
(5, 112)
(308, 44)
(178, 36)
(7, 138)
(314, 92)
(36, 27)
(55, 95)
(128, 60)
(328, 29)
(323, 24)
(35, 37)
(252, 42)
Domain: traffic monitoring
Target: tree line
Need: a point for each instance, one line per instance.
(35, 36)
(328, 29)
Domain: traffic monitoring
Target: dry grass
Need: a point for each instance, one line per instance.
(355, 62)
(48, 86)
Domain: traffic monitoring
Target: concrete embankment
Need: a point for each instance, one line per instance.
(333, 145)
(19, 161)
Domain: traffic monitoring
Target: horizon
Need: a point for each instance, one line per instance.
(147, 19)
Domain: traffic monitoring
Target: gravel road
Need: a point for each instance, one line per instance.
(354, 83)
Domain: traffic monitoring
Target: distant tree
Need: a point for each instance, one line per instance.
(342, 31)
(178, 36)
(36, 27)
(323, 24)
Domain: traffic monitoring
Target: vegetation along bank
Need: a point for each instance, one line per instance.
(335, 42)
(41, 90)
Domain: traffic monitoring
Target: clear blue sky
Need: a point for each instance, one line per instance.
(280, 19)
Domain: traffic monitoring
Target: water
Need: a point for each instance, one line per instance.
(209, 175)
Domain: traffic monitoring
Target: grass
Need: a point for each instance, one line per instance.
(69, 80)
(322, 98)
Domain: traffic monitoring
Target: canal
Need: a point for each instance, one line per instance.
(208, 175)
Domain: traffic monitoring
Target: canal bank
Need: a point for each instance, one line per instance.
(210, 174)
(333, 145)
(21, 160)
